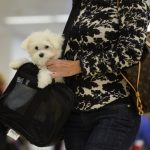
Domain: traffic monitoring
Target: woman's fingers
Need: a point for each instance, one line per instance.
(64, 68)
(51, 68)
(54, 62)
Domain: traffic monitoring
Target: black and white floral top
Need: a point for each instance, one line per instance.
(105, 45)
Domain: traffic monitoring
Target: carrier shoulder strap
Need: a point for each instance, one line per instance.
(136, 89)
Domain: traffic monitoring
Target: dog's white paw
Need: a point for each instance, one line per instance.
(14, 65)
(17, 63)
(44, 78)
(43, 83)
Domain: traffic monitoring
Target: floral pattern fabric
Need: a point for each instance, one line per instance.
(106, 40)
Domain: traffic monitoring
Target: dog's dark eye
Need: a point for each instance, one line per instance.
(36, 47)
(46, 47)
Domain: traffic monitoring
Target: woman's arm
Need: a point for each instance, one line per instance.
(134, 19)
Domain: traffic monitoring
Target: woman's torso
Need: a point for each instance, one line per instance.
(94, 30)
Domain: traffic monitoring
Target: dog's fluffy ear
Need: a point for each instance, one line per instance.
(55, 39)
(25, 43)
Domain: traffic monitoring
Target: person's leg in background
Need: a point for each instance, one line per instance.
(2, 128)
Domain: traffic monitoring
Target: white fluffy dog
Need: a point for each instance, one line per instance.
(41, 46)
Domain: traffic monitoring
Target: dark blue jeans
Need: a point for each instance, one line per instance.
(113, 127)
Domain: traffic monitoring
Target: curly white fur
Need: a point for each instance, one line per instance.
(17, 63)
(41, 46)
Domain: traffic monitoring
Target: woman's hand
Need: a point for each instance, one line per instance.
(63, 68)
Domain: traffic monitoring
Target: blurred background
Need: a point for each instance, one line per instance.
(18, 19)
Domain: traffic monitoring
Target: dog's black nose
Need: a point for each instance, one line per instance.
(41, 54)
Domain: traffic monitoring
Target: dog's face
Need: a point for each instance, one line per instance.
(43, 46)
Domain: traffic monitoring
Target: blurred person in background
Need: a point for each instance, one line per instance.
(2, 83)
(2, 128)
(143, 137)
